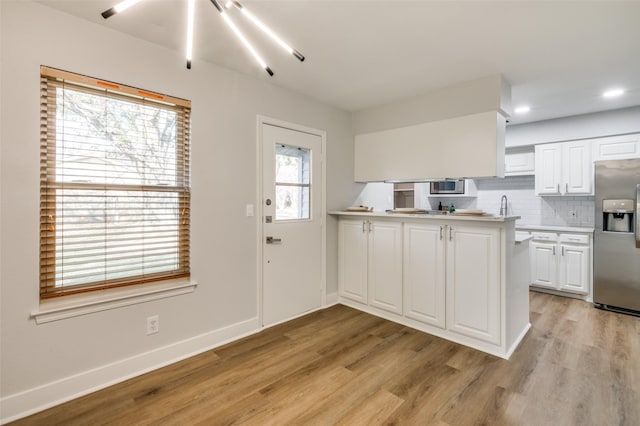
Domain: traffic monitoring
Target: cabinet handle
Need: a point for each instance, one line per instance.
(440, 232)
(566, 188)
(563, 251)
(363, 226)
(450, 233)
(369, 226)
(554, 250)
(558, 188)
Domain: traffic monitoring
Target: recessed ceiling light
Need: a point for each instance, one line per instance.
(522, 109)
(613, 93)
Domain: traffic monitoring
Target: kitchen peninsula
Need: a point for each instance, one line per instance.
(463, 278)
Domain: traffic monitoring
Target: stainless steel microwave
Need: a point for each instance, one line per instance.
(445, 187)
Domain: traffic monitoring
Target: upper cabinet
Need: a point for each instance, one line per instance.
(564, 168)
(468, 146)
(519, 161)
(616, 147)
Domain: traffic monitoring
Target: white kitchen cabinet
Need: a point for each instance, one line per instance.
(616, 147)
(577, 168)
(424, 273)
(352, 259)
(519, 161)
(385, 265)
(561, 261)
(370, 262)
(473, 282)
(548, 166)
(543, 264)
(564, 168)
(574, 268)
(453, 277)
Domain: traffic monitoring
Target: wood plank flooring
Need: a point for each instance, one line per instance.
(576, 366)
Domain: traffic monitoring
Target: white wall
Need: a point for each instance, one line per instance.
(585, 126)
(491, 93)
(225, 105)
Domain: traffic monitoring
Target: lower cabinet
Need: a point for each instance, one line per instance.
(561, 261)
(424, 273)
(473, 282)
(443, 275)
(370, 262)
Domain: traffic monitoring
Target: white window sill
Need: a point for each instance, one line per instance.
(87, 303)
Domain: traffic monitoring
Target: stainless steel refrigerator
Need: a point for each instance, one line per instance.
(616, 260)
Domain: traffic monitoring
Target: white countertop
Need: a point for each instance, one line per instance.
(522, 237)
(491, 218)
(554, 228)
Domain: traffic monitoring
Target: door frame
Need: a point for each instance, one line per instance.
(260, 122)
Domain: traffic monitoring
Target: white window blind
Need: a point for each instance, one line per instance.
(115, 187)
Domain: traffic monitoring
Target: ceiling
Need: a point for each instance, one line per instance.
(558, 56)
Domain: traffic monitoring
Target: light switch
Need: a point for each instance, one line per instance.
(249, 210)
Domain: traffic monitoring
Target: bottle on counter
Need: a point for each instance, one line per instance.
(452, 209)
(440, 205)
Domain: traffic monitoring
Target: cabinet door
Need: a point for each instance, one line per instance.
(423, 273)
(519, 163)
(577, 168)
(548, 169)
(385, 266)
(616, 147)
(352, 259)
(543, 264)
(474, 282)
(574, 268)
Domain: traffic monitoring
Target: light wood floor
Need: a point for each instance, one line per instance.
(576, 366)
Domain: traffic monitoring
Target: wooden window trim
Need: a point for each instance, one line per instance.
(49, 186)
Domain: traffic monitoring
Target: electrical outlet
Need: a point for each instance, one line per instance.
(153, 324)
(573, 214)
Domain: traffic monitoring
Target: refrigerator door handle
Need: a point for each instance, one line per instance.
(637, 215)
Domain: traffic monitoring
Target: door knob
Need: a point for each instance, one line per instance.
(271, 240)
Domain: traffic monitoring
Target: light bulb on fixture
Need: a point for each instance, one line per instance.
(190, 19)
(126, 4)
(258, 23)
(522, 109)
(242, 38)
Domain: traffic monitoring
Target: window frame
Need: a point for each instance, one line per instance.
(49, 185)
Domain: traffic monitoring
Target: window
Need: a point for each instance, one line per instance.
(293, 171)
(115, 188)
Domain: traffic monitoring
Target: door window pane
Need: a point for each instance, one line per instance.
(293, 181)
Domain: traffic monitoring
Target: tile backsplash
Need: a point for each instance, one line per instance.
(522, 201)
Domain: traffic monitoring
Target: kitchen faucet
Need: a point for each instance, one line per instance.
(503, 205)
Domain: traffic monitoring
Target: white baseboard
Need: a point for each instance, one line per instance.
(331, 299)
(22, 404)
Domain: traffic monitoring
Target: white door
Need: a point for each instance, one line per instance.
(423, 273)
(352, 258)
(473, 282)
(577, 168)
(385, 265)
(574, 268)
(548, 168)
(543, 264)
(292, 223)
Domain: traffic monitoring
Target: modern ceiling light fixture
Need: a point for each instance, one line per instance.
(522, 109)
(227, 5)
